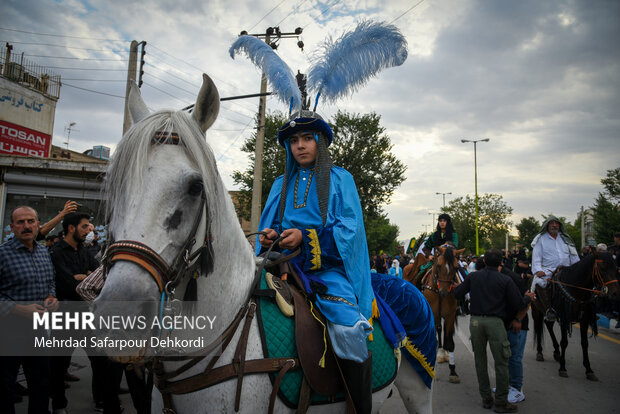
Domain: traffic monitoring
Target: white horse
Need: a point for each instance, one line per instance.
(161, 172)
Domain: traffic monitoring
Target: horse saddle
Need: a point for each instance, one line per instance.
(303, 335)
(315, 353)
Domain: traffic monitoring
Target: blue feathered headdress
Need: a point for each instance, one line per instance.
(279, 75)
(342, 68)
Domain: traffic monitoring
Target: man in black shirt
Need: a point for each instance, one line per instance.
(72, 263)
(494, 300)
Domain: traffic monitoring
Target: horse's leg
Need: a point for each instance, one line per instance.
(538, 334)
(416, 396)
(563, 344)
(583, 327)
(449, 319)
(556, 346)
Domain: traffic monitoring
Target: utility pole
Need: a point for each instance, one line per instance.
(444, 197)
(131, 78)
(476, 183)
(583, 229)
(257, 186)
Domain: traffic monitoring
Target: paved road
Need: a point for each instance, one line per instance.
(545, 391)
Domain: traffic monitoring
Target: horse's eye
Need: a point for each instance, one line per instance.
(195, 188)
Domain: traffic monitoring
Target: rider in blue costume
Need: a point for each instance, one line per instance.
(315, 206)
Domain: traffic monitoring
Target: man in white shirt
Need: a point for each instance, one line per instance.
(552, 248)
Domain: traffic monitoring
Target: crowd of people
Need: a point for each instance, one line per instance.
(35, 278)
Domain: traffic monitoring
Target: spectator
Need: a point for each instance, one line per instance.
(26, 275)
(494, 301)
(70, 207)
(73, 263)
(395, 269)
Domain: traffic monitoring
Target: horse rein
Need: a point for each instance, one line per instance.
(595, 277)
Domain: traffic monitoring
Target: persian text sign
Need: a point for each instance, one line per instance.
(18, 140)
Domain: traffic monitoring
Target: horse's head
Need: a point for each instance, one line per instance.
(605, 275)
(169, 215)
(445, 268)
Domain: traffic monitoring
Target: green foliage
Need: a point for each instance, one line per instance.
(528, 229)
(381, 235)
(606, 219)
(273, 165)
(360, 146)
(493, 223)
(612, 184)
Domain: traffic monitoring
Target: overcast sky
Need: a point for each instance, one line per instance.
(540, 79)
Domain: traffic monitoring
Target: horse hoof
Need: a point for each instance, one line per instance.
(454, 379)
(539, 357)
(556, 356)
(591, 376)
(563, 374)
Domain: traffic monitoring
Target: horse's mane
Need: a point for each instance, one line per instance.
(572, 273)
(127, 168)
(448, 256)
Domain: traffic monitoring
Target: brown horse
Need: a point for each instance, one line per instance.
(410, 272)
(437, 289)
(574, 289)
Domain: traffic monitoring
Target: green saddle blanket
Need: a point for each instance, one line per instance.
(278, 339)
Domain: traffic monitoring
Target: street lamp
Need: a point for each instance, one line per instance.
(476, 183)
(444, 197)
(432, 222)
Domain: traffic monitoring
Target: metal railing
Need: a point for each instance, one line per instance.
(15, 67)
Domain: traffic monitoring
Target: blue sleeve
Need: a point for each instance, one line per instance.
(319, 249)
(270, 217)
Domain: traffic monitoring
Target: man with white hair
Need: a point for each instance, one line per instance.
(553, 248)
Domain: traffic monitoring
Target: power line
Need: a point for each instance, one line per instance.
(169, 94)
(294, 10)
(408, 10)
(77, 58)
(62, 67)
(235, 140)
(322, 13)
(67, 36)
(93, 91)
(262, 18)
(66, 47)
(94, 80)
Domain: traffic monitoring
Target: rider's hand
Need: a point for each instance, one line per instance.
(266, 240)
(291, 238)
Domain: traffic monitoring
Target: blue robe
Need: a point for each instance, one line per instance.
(334, 254)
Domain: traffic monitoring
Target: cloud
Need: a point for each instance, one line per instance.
(537, 78)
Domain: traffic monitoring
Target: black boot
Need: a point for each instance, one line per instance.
(358, 377)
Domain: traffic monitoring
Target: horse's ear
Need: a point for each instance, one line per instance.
(207, 104)
(441, 249)
(459, 252)
(137, 108)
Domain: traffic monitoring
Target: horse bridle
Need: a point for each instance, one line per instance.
(438, 281)
(596, 277)
(187, 260)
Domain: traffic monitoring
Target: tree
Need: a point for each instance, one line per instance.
(381, 235)
(273, 165)
(360, 146)
(528, 229)
(606, 219)
(493, 223)
(612, 184)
